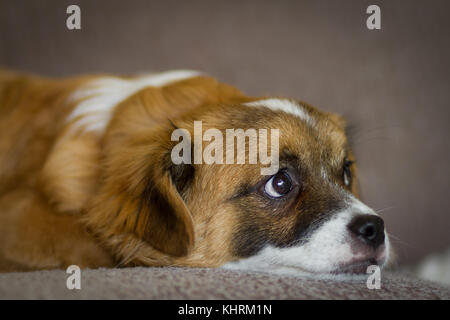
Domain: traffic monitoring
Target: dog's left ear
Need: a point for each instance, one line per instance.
(142, 195)
(164, 220)
(167, 223)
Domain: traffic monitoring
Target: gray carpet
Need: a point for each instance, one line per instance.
(181, 283)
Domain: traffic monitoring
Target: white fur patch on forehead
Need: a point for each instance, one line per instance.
(286, 106)
(99, 97)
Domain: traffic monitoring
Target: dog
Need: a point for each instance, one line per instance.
(87, 178)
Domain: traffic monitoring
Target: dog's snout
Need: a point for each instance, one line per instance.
(368, 228)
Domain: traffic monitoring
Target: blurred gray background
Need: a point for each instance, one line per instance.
(393, 84)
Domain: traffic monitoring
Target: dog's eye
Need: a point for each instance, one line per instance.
(278, 186)
(347, 173)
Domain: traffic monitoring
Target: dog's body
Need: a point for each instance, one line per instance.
(86, 178)
(33, 233)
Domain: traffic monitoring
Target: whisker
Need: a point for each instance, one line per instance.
(384, 209)
(398, 240)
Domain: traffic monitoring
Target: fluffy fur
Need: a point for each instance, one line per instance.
(86, 178)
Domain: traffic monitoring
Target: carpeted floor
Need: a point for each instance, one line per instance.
(181, 283)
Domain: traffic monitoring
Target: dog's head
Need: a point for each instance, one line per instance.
(304, 216)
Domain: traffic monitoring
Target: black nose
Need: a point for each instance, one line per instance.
(369, 228)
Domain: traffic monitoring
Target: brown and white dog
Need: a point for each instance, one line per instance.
(86, 178)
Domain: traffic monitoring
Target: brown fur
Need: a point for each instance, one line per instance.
(76, 197)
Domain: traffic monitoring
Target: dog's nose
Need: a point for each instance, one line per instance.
(368, 228)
